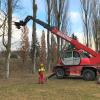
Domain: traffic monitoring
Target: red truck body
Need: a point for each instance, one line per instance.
(88, 67)
(83, 61)
(75, 69)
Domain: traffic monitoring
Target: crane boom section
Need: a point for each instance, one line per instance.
(55, 31)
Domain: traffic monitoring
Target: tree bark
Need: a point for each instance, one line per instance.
(34, 37)
(9, 37)
(48, 35)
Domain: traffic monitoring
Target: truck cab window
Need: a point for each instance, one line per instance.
(85, 55)
(67, 54)
(76, 54)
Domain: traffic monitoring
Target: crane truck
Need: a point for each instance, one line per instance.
(81, 61)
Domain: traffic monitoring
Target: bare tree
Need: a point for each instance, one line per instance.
(24, 50)
(49, 8)
(7, 9)
(96, 22)
(59, 17)
(43, 49)
(53, 51)
(33, 47)
(91, 20)
(8, 45)
(57, 12)
(86, 6)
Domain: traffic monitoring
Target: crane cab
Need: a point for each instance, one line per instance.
(74, 57)
(70, 58)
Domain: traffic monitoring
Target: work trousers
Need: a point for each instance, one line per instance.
(41, 77)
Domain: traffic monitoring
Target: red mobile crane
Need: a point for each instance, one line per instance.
(82, 61)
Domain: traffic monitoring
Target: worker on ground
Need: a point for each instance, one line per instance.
(41, 72)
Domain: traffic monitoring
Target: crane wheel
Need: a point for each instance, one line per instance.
(89, 75)
(60, 73)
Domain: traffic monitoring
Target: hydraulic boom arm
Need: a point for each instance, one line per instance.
(58, 33)
(28, 18)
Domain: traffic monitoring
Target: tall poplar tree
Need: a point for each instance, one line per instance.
(33, 46)
(43, 49)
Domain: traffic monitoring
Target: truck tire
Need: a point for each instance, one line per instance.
(89, 75)
(60, 73)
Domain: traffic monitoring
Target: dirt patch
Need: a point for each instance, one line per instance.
(97, 95)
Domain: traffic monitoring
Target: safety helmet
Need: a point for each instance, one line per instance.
(41, 65)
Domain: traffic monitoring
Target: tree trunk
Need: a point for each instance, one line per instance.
(7, 64)
(34, 37)
(48, 36)
(9, 37)
(48, 55)
(34, 64)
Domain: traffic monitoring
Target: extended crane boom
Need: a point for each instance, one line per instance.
(96, 56)
(28, 18)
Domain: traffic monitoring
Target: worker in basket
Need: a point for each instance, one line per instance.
(41, 72)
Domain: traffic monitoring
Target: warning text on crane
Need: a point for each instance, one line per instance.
(64, 36)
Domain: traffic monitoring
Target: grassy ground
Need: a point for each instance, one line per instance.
(22, 85)
(26, 88)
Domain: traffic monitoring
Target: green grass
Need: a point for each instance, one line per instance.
(54, 89)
